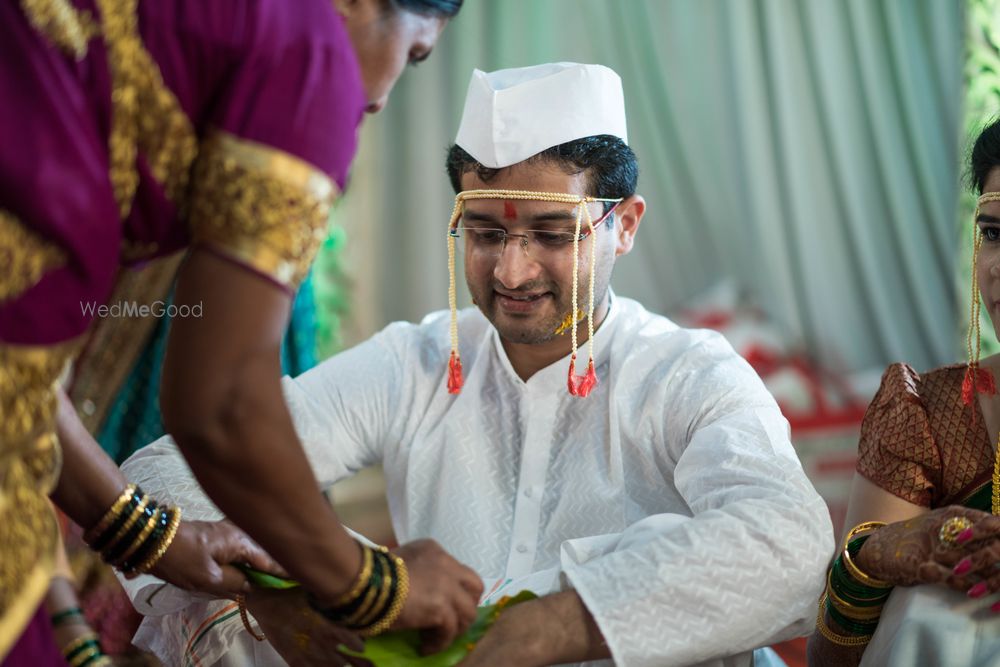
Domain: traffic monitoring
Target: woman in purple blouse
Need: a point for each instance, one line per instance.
(129, 130)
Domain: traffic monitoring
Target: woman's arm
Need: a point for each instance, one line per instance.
(868, 502)
(200, 555)
(222, 402)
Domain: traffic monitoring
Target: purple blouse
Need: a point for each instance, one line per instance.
(278, 81)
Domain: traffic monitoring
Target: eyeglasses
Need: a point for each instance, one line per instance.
(538, 244)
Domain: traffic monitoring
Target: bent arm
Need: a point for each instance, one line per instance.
(750, 559)
(868, 502)
(222, 402)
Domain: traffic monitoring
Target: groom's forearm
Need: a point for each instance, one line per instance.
(554, 629)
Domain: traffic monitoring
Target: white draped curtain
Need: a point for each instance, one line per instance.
(808, 150)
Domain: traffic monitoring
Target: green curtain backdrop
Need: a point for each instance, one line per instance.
(807, 150)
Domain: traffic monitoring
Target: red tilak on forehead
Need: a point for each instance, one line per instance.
(509, 210)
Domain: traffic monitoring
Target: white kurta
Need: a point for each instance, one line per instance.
(671, 498)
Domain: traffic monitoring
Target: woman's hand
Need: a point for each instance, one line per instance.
(300, 635)
(907, 553)
(202, 554)
(443, 594)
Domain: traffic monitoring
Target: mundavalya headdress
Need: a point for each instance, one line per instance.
(513, 114)
(977, 380)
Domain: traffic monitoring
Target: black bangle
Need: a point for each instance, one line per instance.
(339, 615)
(112, 530)
(393, 574)
(140, 554)
(353, 619)
(115, 551)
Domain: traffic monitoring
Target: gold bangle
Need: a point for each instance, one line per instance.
(396, 606)
(364, 576)
(860, 614)
(110, 515)
(867, 526)
(140, 538)
(367, 604)
(241, 600)
(79, 641)
(852, 611)
(839, 640)
(367, 619)
(860, 576)
(85, 656)
(165, 541)
(139, 510)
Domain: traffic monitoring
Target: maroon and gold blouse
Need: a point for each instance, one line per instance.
(129, 130)
(922, 443)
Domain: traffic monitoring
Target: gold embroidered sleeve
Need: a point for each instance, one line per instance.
(259, 206)
(25, 257)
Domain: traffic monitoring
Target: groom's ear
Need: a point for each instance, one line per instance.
(629, 214)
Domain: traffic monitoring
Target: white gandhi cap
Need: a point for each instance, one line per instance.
(512, 114)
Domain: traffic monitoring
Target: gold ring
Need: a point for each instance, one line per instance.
(951, 529)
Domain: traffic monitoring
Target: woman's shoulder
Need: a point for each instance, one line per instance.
(900, 380)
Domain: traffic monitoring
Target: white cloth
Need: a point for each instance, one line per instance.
(934, 625)
(670, 499)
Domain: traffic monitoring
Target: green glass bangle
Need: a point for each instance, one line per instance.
(65, 615)
(852, 626)
(77, 650)
(854, 591)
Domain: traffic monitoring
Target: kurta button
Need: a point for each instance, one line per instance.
(522, 547)
(527, 492)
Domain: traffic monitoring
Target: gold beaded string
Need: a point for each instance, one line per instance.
(975, 333)
(581, 209)
(973, 350)
(576, 266)
(580, 201)
(456, 213)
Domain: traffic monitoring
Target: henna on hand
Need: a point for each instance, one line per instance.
(907, 553)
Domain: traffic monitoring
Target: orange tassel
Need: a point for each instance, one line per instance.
(454, 373)
(984, 384)
(581, 385)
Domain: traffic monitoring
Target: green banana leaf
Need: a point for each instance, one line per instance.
(265, 580)
(402, 649)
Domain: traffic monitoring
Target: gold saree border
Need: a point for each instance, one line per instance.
(115, 343)
(260, 206)
(62, 24)
(15, 616)
(27, 257)
(29, 467)
(146, 116)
